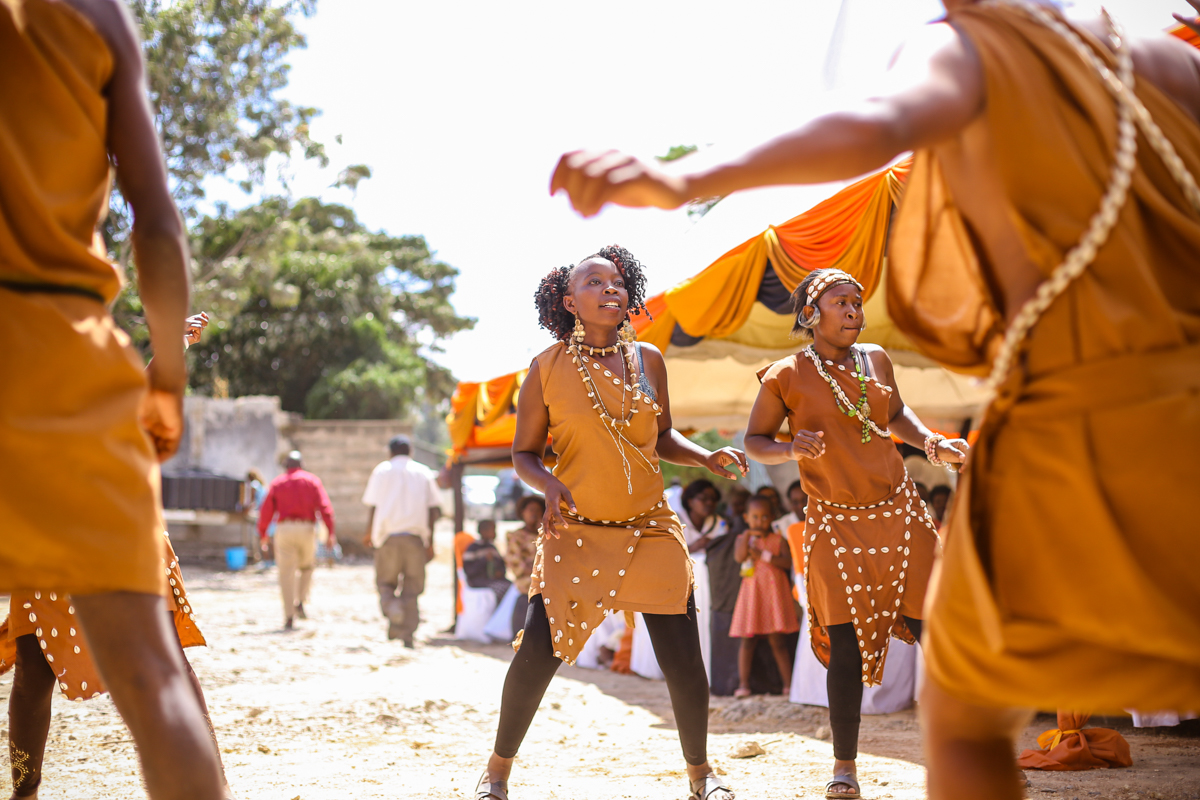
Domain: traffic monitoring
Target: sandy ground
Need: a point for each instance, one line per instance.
(334, 710)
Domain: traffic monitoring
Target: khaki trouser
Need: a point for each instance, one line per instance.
(295, 552)
(400, 577)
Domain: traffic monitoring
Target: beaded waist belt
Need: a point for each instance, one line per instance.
(622, 522)
(883, 502)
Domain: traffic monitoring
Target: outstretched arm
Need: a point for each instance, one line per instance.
(675, 448)
(939, 89)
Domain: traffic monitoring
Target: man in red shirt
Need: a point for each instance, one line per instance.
(296, 498)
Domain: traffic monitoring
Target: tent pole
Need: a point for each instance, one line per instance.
(460, 521)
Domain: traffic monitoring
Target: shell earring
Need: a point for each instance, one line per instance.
(579, 332)
(627, 334)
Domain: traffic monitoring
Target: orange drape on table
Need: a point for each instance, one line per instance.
(1070, 746)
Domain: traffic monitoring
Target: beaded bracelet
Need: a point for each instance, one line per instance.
(931, 443)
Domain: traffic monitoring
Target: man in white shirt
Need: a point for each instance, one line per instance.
(404, 501)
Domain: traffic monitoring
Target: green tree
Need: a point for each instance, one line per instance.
(311, 306)
(215, 69)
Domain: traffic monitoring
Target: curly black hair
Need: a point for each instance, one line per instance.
(548, 298)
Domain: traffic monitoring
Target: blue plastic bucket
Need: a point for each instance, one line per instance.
(235, 558)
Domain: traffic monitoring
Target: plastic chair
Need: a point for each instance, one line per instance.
(477, 608)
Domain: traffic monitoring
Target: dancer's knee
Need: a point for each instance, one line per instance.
(946, 718)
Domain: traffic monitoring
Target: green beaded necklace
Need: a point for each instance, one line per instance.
(860, 409)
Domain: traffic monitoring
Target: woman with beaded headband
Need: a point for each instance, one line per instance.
(610, 542)
(868, 543)
(1047, 238)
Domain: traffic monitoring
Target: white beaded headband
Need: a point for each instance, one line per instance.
(830, 278)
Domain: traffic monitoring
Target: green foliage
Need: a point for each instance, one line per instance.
(678, 151)
(214, 69)
(709, 440)
(309, 305)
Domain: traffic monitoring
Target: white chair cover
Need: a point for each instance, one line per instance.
(478, 605)
(641, 656)
(499, 628)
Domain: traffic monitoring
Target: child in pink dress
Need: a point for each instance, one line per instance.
(764, 605)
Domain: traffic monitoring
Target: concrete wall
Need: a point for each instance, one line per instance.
(231, 436)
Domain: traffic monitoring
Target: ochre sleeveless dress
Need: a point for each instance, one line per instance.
(79, 481)
(869, 543)
(1070, 576)
(625, 550)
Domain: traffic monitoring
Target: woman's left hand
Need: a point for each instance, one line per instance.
(953, 451)
(719, 459)
(1194, 22)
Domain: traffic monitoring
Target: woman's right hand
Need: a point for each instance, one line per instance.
(807, 444)
(556, 494)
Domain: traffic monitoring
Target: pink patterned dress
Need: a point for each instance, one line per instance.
(765, 603)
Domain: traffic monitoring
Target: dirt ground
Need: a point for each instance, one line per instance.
(334, 710)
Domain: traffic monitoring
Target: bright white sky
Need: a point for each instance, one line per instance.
(461, 110)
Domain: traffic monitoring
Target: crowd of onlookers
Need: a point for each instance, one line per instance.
(748, 596)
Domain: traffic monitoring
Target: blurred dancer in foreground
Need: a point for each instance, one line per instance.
(1048, 236)
(75, 409)
(41, 640)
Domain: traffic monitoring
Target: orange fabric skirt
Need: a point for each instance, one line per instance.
(79, 498)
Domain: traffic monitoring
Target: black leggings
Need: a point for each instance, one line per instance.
(844, 685)
(676, 642)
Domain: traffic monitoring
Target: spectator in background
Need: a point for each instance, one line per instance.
(772, 494)
(923, 492)
(296, 498)
(724, 581)
(764, 604)
(404, 501)
(482, 563)
(939, 499)
(797, 499)
(520, 547)
(696, 508)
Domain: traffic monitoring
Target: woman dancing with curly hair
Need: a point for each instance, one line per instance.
(610, 542)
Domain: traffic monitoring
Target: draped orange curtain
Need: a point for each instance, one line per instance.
(481, 414)
(847, 231)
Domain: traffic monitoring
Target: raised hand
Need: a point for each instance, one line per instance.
(1191, 22)
(194, 326)
(718, 460)
(592, 178)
